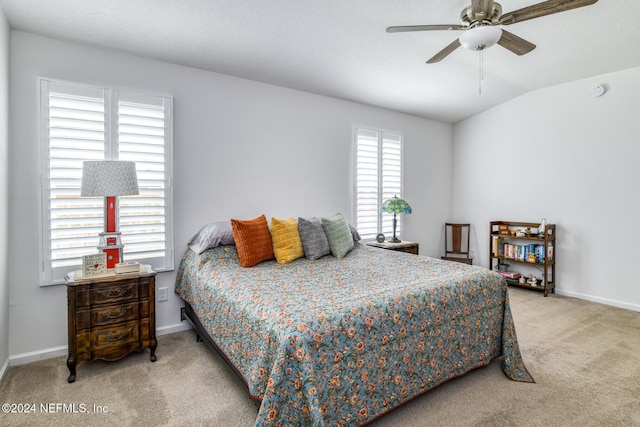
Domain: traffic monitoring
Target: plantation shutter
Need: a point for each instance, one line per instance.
(141, 137)
(378, 177)
(367, 183)
(87, 123)
(391, 178)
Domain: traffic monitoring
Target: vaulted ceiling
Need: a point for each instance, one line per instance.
(340, 48)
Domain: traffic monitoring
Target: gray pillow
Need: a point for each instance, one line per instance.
(211, 236)
(354, 233)
(314, 240)
(339, 235)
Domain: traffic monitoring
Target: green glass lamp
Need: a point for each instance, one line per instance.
(395, 206)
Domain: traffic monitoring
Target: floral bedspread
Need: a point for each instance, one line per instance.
(342, 341)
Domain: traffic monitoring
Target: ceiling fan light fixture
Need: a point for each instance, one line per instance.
(481, 37)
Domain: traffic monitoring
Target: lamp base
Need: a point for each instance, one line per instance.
(111, 244)
(114, 255)
(394, 239)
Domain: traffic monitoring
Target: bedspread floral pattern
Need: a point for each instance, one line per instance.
(385, 327)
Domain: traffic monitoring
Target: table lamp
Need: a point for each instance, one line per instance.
(395, 206)
(109, 179)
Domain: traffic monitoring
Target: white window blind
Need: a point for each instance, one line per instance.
(378, 177)
(88, 123)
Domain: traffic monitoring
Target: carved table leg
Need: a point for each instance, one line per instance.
(153, 344)
(71, 364)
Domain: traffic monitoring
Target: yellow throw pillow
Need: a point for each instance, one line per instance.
(287, 245)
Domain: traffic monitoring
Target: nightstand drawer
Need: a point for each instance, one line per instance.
(110, 315)
(115, 336)
(111, 294)
(410, 250)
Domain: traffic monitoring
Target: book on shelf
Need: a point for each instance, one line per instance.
(523, 252)
(510, 274)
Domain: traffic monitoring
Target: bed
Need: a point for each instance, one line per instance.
(342, 341)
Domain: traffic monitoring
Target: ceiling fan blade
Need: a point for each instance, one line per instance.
(542, 9)
(515, 44)
(405, 28)
(444, 52)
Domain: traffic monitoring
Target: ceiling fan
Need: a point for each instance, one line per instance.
(481, 24)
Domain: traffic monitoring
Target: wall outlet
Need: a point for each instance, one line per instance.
(472, 253)
(162, 294)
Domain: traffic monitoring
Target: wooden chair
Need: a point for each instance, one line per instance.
(456, 242)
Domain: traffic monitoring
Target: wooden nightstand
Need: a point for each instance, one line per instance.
(409, 247)
(110, 317)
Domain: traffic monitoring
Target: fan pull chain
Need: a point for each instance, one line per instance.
(481, 72)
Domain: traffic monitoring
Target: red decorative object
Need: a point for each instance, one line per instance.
(111, 244)
(113, 255)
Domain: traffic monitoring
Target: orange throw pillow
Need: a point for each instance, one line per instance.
(253, 240)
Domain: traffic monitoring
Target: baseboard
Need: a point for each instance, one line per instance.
(34, 356)
(48, 353)
(600, 300)
(4, 370)
(178, 327)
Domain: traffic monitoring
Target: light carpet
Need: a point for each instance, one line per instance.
(584, 356)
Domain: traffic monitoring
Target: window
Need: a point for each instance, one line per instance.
(81, 123)
(378, 177)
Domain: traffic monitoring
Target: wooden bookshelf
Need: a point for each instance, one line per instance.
(526, 251)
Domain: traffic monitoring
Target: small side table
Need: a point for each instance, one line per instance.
(110, 317)
(408, 247)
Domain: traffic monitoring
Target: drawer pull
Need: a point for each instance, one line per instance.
(118, 294)
(116, 337)
(115, 314)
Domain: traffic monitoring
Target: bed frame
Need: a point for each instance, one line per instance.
(202, 335)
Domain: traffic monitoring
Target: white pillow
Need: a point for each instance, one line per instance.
(211, 236)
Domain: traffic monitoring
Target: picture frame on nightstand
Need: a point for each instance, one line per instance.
(94, 265)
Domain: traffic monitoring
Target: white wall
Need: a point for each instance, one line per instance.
(241, 149)
(561, 154)
(4, 191)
